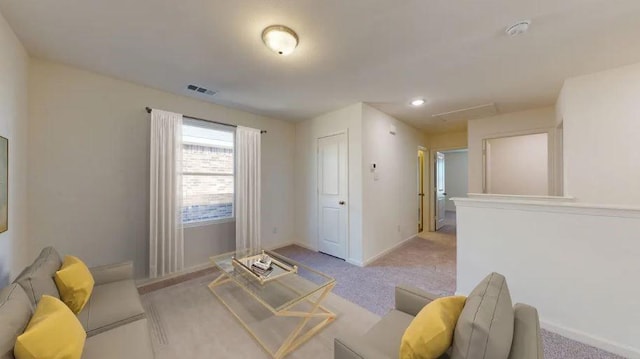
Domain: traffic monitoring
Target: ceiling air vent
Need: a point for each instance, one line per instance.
(201, 90)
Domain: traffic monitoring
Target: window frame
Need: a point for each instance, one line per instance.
(221, 128)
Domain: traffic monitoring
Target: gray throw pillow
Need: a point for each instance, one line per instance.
(485, 326)
(37, 279)
(15, 313)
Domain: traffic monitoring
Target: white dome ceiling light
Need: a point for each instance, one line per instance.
(418, 102)
(518, 28)
(280, 39)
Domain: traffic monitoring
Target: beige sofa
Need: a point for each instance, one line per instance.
(488, 327)
(114, 318)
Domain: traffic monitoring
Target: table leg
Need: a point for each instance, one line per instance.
(295, 339)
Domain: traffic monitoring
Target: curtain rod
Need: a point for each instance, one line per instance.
(202, 119)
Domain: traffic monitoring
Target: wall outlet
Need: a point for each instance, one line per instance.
(275, 230)
(398, 228)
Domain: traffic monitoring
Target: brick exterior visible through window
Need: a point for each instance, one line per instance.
(207, 183)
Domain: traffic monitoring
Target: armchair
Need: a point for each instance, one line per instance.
(523, 341)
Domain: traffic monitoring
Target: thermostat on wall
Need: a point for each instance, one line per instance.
(392, 129)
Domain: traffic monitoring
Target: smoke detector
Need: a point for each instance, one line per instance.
(518, 28)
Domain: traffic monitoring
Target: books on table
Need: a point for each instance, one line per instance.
(261, 270)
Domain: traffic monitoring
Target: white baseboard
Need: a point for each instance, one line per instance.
(387, 251)
(280, 245)
(354, 262)
(613, 347)
(582, 337)
(197, 267)
(306, 245)
(294, 243)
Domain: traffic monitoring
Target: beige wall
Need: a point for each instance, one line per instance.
(15, 252)
(448, 140)
(89, 173)
(390, 202)
(575, 263)
(306, 195)
(518, 165)
(601, 114)
(510, 124)
(382, 212)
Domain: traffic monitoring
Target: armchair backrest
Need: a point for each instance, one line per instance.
(485, 326)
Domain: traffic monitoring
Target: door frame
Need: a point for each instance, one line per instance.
(432, 182)
(348, 204)
(425, 185)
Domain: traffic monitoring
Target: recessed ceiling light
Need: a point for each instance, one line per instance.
(518, 28)
(280, 39)
(418, 102)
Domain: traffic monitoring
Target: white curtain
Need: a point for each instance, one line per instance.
(166, 246)
(247, 206)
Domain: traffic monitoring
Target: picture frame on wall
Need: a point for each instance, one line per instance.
(4, 184)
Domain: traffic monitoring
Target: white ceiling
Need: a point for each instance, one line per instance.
(384, 52)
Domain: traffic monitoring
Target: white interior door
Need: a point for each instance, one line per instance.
(332, 195)
(440, 194)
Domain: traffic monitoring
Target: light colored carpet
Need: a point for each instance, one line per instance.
(426, 264)
(188, 321)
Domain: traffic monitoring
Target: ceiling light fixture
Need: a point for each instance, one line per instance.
(280, 39)
(418, 102)
(518, 28)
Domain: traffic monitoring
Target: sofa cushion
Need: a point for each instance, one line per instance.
(430, 333)
(129, 341)
(53, 332)
(37, 279)
(15, 313)
(386, 334)
(485, 326)
(75, 283)
(111, 305)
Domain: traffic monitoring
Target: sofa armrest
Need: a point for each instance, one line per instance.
(411, 300)
(112, 272)
(527, 339)
(351, 347)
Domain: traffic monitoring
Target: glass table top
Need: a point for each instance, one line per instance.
(283, 291)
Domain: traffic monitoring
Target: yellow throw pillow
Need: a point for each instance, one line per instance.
(75, 283)
(430, 333)
(53, 332)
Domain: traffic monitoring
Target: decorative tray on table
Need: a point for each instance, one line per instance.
(263, 267)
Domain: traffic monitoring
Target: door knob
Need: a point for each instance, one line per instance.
(341, 203)
(444, 194)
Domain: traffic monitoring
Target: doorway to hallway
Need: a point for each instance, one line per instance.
(450, 180)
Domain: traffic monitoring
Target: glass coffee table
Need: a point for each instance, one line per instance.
(291, 290)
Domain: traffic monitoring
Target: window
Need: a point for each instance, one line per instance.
(207, 172)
